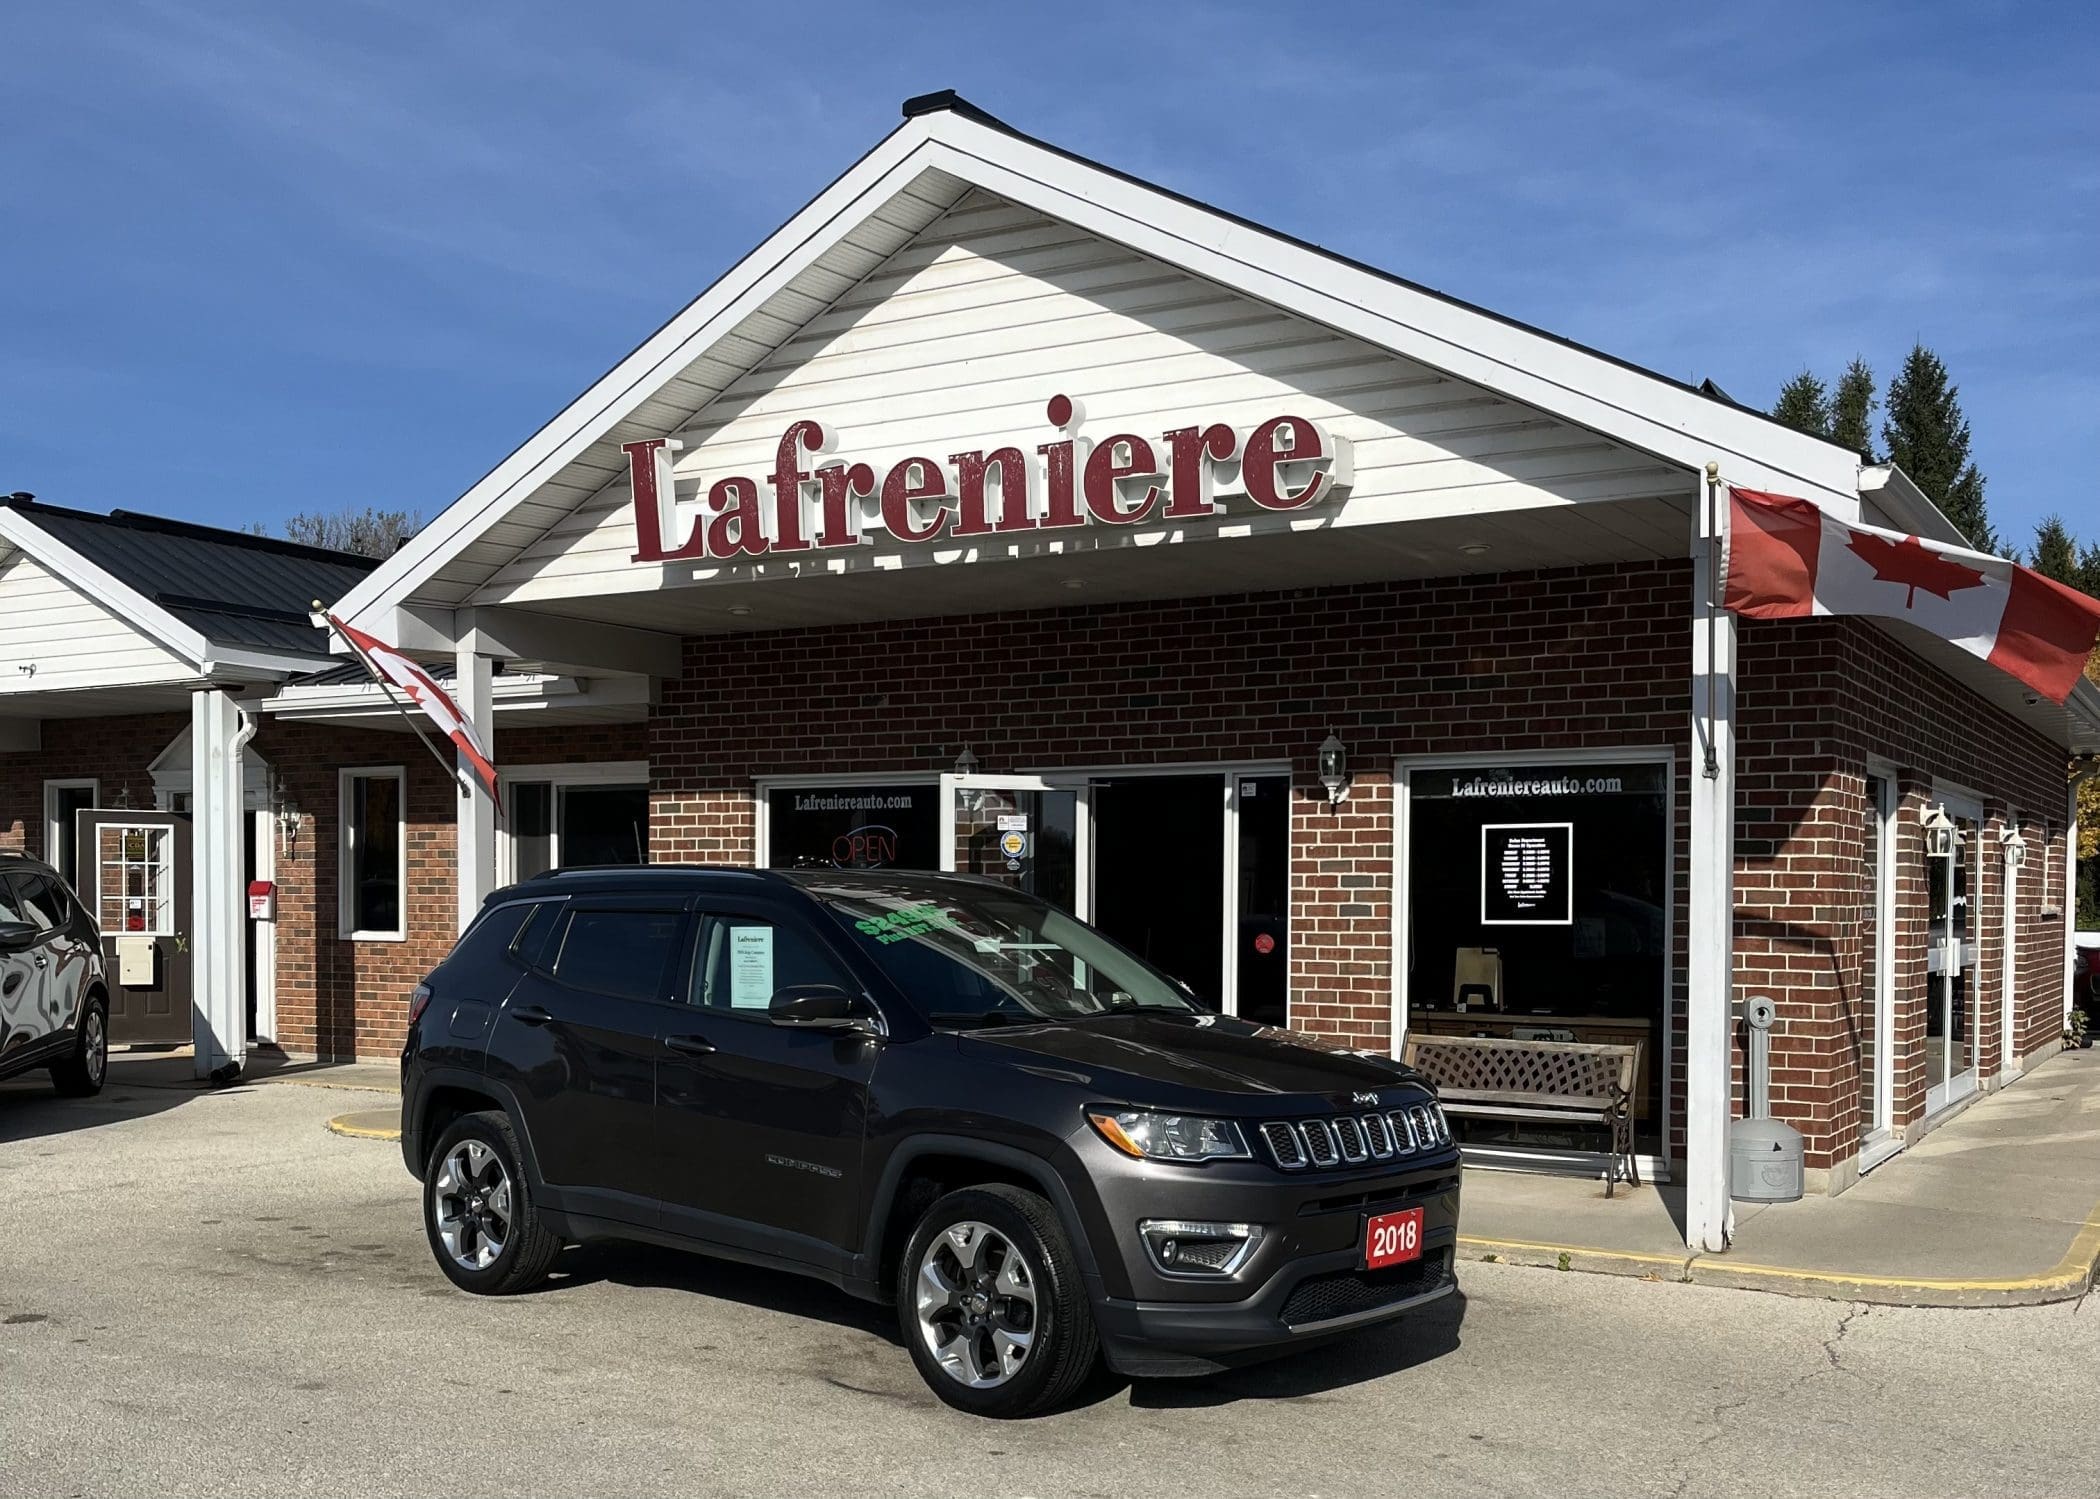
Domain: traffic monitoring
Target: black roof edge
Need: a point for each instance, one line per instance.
(948, 101)
(954, 103)
(138, 520)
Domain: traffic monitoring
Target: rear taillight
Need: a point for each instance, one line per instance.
(418, 1002)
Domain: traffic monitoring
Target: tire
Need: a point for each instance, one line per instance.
(81, 1074)
(478, 1213)
(992, 1305)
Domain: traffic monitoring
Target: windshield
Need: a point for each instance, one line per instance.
(969, 955)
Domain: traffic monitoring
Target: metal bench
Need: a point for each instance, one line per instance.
(1577, 1082)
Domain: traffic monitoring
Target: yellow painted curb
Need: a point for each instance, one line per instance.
(358, 1126)
(2069, 1278)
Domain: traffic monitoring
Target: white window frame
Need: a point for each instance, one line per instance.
(579, 773)
(345, 852)
(90, 784)
(1655, 1167)
(763, 787)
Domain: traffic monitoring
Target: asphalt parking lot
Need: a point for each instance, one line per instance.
(210, 1294)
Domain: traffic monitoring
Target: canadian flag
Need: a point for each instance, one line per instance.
(424, 692)
(1787, 559)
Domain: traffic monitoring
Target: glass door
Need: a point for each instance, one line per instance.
(1953, 881)
(1026, 831)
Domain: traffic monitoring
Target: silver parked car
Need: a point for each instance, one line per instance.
(54, 997)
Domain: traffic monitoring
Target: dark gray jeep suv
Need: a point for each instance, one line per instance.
(932, 1091)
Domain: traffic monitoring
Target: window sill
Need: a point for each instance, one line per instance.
(374, 937)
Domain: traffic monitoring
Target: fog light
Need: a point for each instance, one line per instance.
(1181, 1247)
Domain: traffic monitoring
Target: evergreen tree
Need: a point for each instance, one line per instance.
(1804, 405)
(1852, 410)
(2088, 579)
(1928, 438)
(2055, 555)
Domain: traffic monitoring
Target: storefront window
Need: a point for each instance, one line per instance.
(854, 827)
(1539, 909)
(573, 825)
(373, 853)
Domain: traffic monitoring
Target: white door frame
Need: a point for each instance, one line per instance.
(1957, 1084)
(556, 776)
(2008, 971)
(1082, 822)
(1654, 1165)
(52, 787)
(263, 948)
(1881, 1139)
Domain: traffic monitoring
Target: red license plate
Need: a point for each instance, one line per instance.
(1393, 1239)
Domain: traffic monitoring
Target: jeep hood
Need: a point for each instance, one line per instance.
(1197, 1053)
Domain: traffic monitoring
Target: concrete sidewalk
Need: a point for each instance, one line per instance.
(1999, 1206)
(172, 1067)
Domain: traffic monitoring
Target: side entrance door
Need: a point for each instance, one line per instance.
(135, 881)
(760, 1126)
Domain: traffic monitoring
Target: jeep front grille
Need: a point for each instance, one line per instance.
(1354, 1139)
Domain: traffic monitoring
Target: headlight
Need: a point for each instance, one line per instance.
(1170, 1137)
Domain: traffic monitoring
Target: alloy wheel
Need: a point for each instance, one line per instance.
(472, 1197)
(97, 1049)
(976, 1304)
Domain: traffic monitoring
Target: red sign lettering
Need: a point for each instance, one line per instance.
(1287, 462)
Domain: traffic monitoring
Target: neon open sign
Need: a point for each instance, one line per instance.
(1285, 463)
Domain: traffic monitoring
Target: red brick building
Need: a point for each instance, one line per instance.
(1344, 648)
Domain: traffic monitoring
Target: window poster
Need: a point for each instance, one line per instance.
(750, 967)
(1527, 874)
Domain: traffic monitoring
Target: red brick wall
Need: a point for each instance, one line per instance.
(116, 751)
(1549, 661)
(1815, 699)
(334, 998)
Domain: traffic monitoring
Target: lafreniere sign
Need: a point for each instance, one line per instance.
(1285, 463)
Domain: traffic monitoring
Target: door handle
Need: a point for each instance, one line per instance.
(532, 1014)
(692, 1046)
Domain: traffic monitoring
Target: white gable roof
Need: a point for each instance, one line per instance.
(921, 171)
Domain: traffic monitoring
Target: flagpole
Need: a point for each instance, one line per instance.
(321, 617)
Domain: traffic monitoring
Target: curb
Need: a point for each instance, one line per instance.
(321, 1082)
(366, 1124)
(2068, 1279)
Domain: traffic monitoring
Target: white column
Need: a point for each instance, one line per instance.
(1708, 1101)
(219, 731)
(473, 688)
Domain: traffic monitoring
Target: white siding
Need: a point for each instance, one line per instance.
(69, 639)
(958, 338)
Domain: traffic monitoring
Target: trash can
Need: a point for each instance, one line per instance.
(1764, 1161)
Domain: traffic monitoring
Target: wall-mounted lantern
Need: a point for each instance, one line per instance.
(1942, 837)
(966, 765)
(288, 817)
(1334, 768)
(2013, 847)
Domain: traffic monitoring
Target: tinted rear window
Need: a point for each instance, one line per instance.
(622, 953)
(489, 939)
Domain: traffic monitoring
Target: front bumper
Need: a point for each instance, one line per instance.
(1303, 1285)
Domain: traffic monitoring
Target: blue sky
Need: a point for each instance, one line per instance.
(261, 258)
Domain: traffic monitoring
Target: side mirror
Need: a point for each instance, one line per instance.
(17, 936)
(821, 1007)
